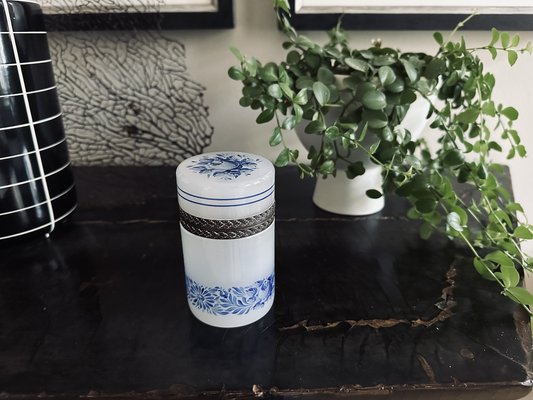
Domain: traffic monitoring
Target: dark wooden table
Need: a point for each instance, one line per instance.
(364, 308)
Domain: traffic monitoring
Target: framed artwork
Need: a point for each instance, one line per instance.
(63, 15)
(412, 14)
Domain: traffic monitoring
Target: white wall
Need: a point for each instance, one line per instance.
(256, 34)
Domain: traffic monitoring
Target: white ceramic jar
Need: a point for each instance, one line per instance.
(227, 206)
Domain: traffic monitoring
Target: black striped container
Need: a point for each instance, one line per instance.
(36, 184)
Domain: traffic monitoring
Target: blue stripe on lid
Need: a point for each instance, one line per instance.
(228, 199)
(227, 205)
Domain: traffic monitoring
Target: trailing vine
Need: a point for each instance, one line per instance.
(379, 86)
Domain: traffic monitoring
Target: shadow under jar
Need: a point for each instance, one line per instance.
(37, 188)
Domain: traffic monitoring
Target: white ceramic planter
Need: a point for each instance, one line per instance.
(345, 196)
(227, 230)
(340, 195)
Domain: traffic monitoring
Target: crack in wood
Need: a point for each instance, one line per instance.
(427, 368)
(523, 329)
(446, 305)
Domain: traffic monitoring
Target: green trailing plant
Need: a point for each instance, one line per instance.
(379, 85)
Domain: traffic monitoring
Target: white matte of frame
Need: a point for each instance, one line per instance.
(414, 6)
(110, 6)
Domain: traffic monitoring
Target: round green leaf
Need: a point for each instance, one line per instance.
(505, 38)
(245, 101)
(408, 97)
(512, 56)
(301, 98)
(435, 68)
(453, 158)
(305, 170)
(397, 86)
(500, 258)
(374, 194)
(251, 65)
(510, 113)
(304, 82)
(387, 134)
(265, 116)
(510, 276)
(438, 38)
(386, 75)
(283, 158)
(375, 119)
(489, 108)
(358, 65)
(269, 72)
(468, 116)
(236, 53)
(289, 122)
(495, 36)
(315, 127)
(293, 57)
(287, 90)
(326, 76)
(410, 70)
(275, 91)
(362, 88)
(293, 155)
(374, 100)
(355, 169)
(276, 137)
(332, 133)
(426, 206)
(321, 93)
(385, 59)
(327, 167)
(520, 295)
(522, 232)
(236, 74)
(313, 60)
(298, 112)
(252, 91)
(482, 268)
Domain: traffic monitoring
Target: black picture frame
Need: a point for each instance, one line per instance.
(324, 21)
(221, 19)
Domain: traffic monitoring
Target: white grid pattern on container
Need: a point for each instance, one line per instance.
(33, 151)
(56, 220)
(25, 63)
(25, 33)
(43, 177)
(41, 121)
(31, 92)
(11, 33)
(38, 204)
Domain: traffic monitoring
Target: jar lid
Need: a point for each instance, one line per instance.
(225, 185)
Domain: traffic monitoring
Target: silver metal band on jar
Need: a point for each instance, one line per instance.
(227, 228)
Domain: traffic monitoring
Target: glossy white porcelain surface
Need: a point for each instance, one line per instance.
(230, 282)
(234, 278)
(225, 185)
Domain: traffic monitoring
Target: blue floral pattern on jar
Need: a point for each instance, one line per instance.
(225, 166)
(232, 301)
